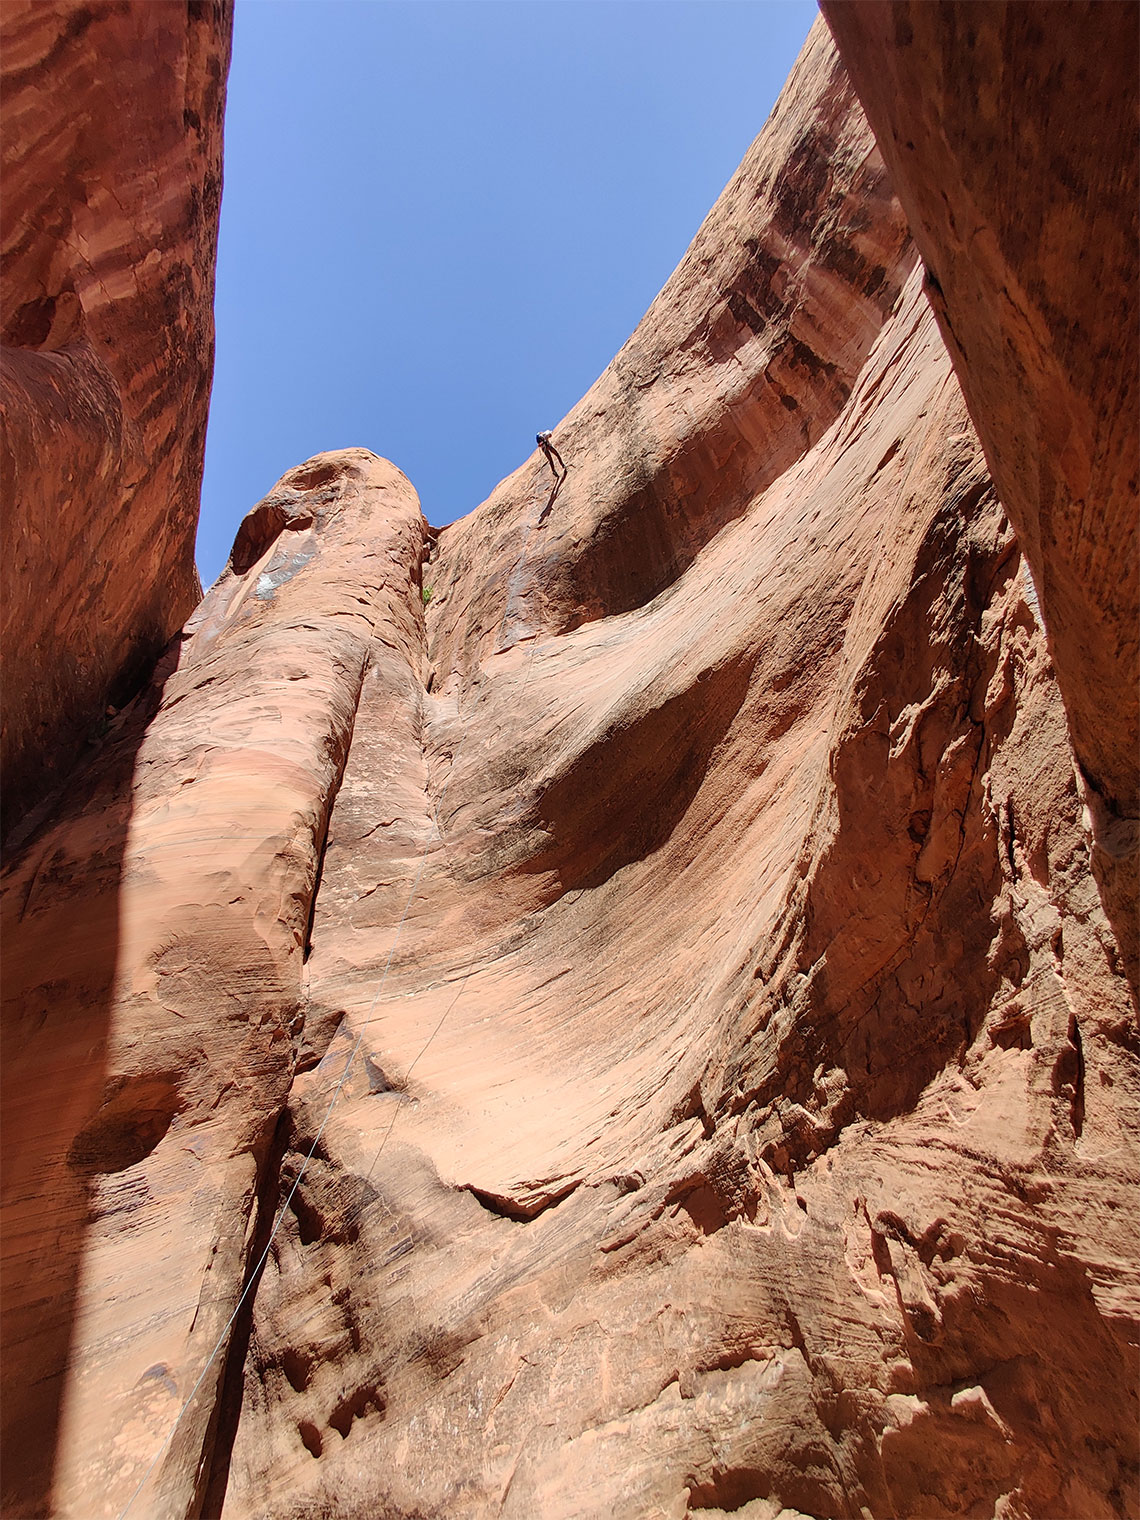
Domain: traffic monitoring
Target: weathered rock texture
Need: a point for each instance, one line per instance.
(155, 991)
(1012, 133)
(645, 1027)
(111, 161)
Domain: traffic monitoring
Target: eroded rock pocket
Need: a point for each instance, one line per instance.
(129, 1124)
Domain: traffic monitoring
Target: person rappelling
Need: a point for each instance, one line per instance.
(545, 442)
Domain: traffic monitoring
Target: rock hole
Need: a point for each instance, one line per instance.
(379, 1080)
(310, 1437)
(923, 1321)
(297, 1367)
(919, 825)
(260, 528)
(48, 322)
(705, 1209)
(729, 1490)
(1077, 1102)
(131, 1121)
(1069, 1076)
(30, 325)
(310, 1221)
(310, 476)
(1013, 1029)
(363, 1401)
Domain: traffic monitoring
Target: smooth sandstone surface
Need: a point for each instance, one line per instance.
(1012, 133)
(622, 980)
(111, 156)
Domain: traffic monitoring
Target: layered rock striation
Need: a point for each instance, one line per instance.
(605, 1010)
(112, 166)
(1013, 137)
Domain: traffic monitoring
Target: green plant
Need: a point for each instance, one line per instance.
(427, 594)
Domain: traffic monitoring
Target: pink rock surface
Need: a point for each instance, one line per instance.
(643, 1023)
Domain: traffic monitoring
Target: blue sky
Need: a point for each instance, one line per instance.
(442, 218)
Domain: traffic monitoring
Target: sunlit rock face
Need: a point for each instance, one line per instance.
(621, 980)
(112, 168)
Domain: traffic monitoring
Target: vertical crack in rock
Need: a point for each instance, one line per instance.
(218, 1446)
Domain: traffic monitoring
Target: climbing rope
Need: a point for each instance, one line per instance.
(436, 833)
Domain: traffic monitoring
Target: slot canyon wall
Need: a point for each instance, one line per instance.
(111, 156)
(615, 1008)
(1026, 210)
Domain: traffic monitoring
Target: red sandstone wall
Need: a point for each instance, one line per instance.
(644, 1024)
(112, 171)
(1012, 133)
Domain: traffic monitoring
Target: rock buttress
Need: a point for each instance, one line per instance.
(155, 937)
